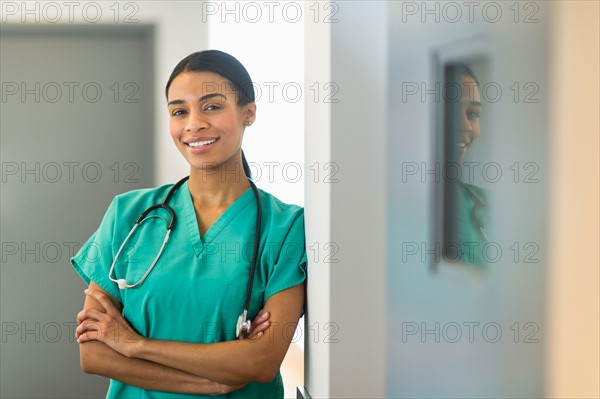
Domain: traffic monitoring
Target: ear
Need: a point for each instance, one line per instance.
(250, 112)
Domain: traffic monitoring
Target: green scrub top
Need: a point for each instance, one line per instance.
(197, 289)
(473, 204)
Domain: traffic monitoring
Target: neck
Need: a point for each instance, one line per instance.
(217, 188)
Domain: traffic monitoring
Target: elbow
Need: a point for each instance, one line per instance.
(87, 357)
(86, 368)
(259, 367)
(267, 375)
(268, 370)
(86, 365)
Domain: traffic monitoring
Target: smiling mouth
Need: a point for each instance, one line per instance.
(463, 144)
(199, 144)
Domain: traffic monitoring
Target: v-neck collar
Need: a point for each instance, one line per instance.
(229, 214)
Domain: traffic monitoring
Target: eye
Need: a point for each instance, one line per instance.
(177, 112)
(473, 114)
(212, 107)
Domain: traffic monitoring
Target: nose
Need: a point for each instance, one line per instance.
(466, 124)
(195, 121)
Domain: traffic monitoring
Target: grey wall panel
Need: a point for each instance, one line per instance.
(76, 129)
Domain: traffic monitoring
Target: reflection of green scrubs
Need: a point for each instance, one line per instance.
(197, 289)
(472, 238)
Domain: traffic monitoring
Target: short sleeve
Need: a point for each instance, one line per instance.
(95, 257)
(289, 268)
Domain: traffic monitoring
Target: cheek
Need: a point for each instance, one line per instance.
(476, 130)
(226, 126)
(175, 128)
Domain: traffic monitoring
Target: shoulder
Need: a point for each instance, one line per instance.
(280, 217)
(155, 194)
(279, 211)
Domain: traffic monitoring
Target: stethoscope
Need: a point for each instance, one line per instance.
(243, 325)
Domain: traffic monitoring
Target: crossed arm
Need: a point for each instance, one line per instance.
(110, 347)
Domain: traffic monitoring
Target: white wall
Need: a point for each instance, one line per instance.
(268, 39)
(318, 208)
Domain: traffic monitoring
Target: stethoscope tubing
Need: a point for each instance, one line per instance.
(255, 249)
(112, 266)
(243, 324)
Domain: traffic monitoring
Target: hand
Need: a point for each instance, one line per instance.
(108, 326)
(259, 325)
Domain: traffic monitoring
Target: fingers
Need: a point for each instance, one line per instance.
(87, 331)
(91, 320)
(260, 328)
(85, 337)
(260, 324)
(103, 300)
(91, 314)
(261, 317)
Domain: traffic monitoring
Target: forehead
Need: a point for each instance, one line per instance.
(198, 84)
(470, 90)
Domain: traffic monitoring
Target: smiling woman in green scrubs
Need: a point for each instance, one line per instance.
(175, 333)
(472, 200)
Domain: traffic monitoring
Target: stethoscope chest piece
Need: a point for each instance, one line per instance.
(242, 327)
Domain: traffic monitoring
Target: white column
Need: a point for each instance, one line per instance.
(346, 49)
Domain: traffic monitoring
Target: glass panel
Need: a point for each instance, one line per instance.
(466, 197)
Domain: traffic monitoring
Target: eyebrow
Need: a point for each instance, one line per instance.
(476, 103)
(203, 98)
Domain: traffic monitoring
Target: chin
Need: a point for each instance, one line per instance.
(203, 165)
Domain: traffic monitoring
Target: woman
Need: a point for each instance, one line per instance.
(473, 203)
(174, 330)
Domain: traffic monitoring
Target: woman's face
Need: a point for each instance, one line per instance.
(470, 110)
(206, 124)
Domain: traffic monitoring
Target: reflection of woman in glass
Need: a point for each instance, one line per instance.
(472, 199)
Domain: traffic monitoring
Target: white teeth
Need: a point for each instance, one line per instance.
(202, 143)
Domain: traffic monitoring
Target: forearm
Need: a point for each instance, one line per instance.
(232, 362)
(97, 358)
